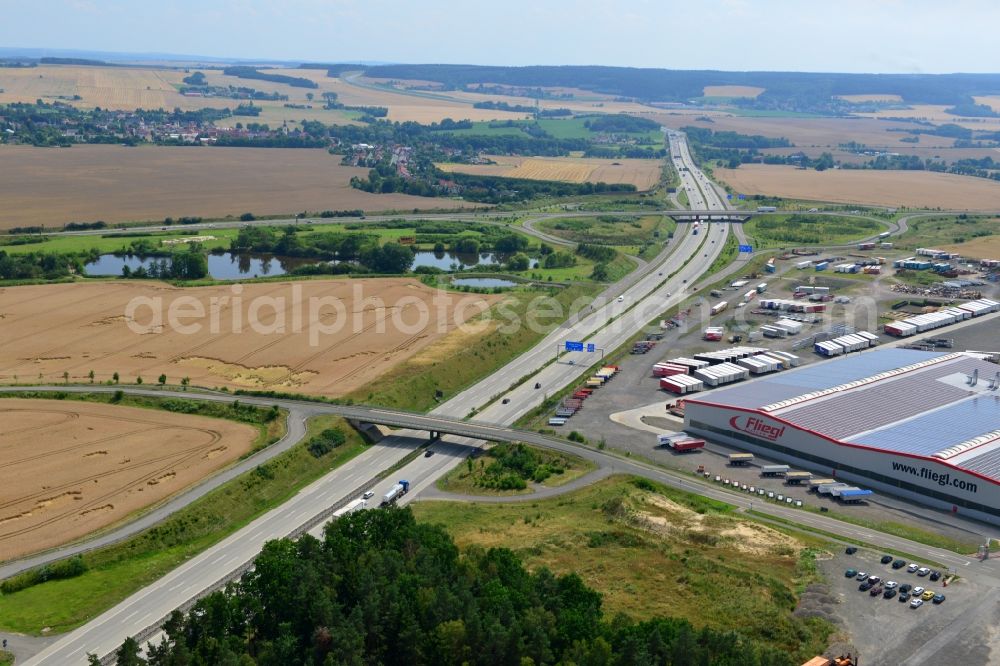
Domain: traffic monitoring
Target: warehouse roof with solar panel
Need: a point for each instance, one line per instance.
(916, 423)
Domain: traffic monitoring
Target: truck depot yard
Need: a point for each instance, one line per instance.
(71, 468)
(324, 337)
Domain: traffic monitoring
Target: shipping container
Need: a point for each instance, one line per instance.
(793, 327)
(719, 307)
(803, 264)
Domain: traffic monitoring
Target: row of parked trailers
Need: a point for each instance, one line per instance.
(821, 486)
(945, 317)
(785, 305)
(846, 344)
(574, 403)
(685, 375)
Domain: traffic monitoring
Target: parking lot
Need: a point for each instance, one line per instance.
(961, 630)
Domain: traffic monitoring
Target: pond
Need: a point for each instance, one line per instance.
(445, 260)
(483, 282)
(225, 266)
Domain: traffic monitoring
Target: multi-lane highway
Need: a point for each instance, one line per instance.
(607, 325)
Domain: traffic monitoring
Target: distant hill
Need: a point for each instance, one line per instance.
(803, 90)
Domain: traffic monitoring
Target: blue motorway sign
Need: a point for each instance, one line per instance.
(574, 346)
(591, 347)
(746, 248)
(729, 196)
(742, 197)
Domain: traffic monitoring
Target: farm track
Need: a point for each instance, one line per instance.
(71, 416)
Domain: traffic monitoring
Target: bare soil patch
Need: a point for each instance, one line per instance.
(295, 342)
(53, 186)
(71, 468)
(914, 189)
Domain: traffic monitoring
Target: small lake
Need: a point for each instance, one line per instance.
(483, 282)
(446, 260)
(225, 266)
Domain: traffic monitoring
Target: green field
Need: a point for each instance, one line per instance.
(117, 571)
(946, 230)
(412, 384)
(655, 551)
(771, 231)
(610, 229)
(513, 469)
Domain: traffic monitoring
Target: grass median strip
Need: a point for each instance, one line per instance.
(116, 571)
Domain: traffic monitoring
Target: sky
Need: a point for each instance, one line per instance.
(909, 36)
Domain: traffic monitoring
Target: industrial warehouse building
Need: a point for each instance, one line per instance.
(921, 425)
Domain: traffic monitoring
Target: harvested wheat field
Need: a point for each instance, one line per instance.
(812, 132)
(52, 186)
(986, 247)
(324, 337)
(71, 467)
(732, 91)
(644, 174)
(118, 88)
(913, 189)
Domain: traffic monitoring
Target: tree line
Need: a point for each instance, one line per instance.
(381, 588)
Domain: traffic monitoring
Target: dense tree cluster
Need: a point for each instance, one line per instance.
(42, 265)
(246, 72)
(381, 588)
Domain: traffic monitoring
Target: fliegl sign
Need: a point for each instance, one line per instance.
(752, 425)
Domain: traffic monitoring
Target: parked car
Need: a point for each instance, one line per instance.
(877, 590)
(916, 603)
(938, 599)
(850, 550)
(912, 568)
(904, 597)
(891, 585)
(889, 593)
(899, 564)
(935, 575)
(874, 580)
(923, 571)
(927, 595)
(850, 573)
(862, 575)
(917, 591)
(864, 587)
(905, 587)
(886, 559)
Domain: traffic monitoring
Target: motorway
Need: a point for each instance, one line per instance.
(657, 287)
